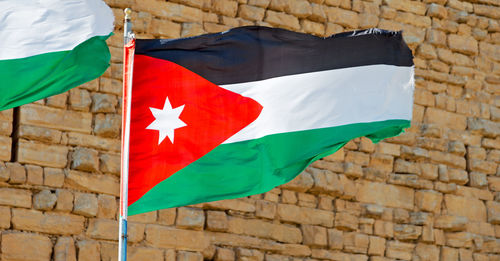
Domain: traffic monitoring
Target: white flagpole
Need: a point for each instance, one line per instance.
(126, 106)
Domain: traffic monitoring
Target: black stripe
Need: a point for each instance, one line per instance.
(255, 53)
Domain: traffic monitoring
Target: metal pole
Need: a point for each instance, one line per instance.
(127, 85)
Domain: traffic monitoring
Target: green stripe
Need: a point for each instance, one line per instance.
(33, 78)
(251, 167)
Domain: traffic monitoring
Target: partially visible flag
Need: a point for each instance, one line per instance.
(49, 47)
(238, 113)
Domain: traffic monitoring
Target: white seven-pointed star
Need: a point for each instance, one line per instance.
(166, 121)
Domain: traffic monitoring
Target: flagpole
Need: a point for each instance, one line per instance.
(126, 105)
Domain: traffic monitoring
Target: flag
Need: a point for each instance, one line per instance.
(49, 47)
(237, 113)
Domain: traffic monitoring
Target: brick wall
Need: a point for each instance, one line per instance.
(432, 193)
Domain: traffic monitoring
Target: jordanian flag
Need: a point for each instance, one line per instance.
(238, 113)
(49, 47)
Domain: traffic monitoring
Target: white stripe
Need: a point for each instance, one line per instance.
(31, 27)
(328, 99)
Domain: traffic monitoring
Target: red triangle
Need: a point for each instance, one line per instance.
(212, 115)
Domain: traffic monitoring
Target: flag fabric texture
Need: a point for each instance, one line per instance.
(237, 113)
(49, 47)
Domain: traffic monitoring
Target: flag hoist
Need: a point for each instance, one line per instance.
(128, 61)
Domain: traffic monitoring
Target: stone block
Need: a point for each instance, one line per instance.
(472, 209)
(49, 222)
(4, 217)
(64, 200)
(190, 218)
(282, 20)
(89, 250)
(405, 232)
(167, 216)
(104, 229)
(107, 125)
(224, 254)
(335, 239)
(192, 29)
(265, 209)
(17, 173)
(104, 184)
(5, 148)
(493, 212)
(383, 228)
(106, 206)
(428, 200)
(179, 239)
(145, 218)
(85, 204)
(415, 7)
(314, 235)
(478, 180)
(15, 197)
(43, 116)
(356, 242)
(85, 159)
(15, 247)
(225, 7)
(78, 139)
(445, 118)
(217, 221)
(44, 200)
(41, 154)
(426, 252)
(34, 175)
(306, 216)
(377, 246)
(346, 221)
(385, 195)
(79, 99)
(263, 229)
(450, 223)
(64, 250)
(303, 182)
(102, 102)
(399, 250)
(166, 29)
(53, 177)
(342, 17)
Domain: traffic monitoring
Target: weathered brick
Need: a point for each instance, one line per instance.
(17, 173)
(385, 195)
(356, 242)
(180, 239)
(399, 250)
(53, 177)
(41, 154)
(44, 200)
(42, 116)
(259, 228)
(49, 222)
(252, 13)
(470, 208)
(79, 99)
(105, 184)
(428, 201)
(88, 250)
(64, 200)
(106, 206)
(217, 221)
(4, 217)
(282, 20)
(78, 139)
(64, 250)
(15, 197)
(25, 246)
(165, 29)
(85, 204)
(308, 216)
(190, 218)
(407, 6)
(85, 159)
(107, 125)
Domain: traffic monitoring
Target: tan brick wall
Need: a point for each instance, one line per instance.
(432, 193)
